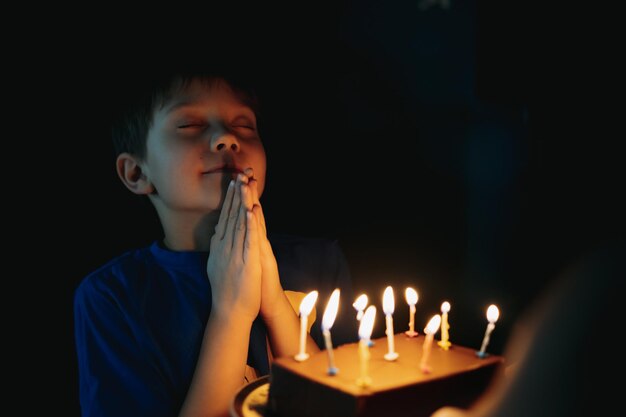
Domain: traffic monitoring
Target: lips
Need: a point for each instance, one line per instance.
(228, 169)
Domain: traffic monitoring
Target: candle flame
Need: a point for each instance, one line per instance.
(411, 296)
(433, 324)
(331, 310)
(367, 323)
(360, 302)
(445, 307)
(307, 303)
(388, 304)
(493, 313)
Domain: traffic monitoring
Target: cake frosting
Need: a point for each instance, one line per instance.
(398, 388)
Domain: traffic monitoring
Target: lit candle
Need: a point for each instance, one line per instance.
(359, 305)
(327, 322)
(306, 305)
(411, 298)
(430, 330)
(492, 316)
(445, 327)
(388, 307)
(365, 332)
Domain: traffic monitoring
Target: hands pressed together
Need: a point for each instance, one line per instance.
(242, 268)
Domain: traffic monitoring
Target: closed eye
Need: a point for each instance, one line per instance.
(192, 125)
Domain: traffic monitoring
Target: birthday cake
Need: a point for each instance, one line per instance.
(396, 388)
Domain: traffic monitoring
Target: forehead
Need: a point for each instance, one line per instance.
(202, 92)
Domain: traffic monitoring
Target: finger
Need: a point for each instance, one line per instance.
(258, 212)
(239, 237)
(233, 215)
(256, 209)
(242, 178)
(251, 244)
(255, 198)
(220, 229)
(255, 190)
(252, 183)
(247, 197)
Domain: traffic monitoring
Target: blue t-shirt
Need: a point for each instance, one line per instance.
(140, 320)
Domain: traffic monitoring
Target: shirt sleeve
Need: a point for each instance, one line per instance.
(115, 377)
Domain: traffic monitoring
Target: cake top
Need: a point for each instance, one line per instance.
(384, 374)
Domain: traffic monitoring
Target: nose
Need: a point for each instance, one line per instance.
(223, 140)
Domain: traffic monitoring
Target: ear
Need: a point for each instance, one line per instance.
(130, 172)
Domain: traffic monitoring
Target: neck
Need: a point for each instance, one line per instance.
(189, 232)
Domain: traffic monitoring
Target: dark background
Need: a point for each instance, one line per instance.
(448, 149)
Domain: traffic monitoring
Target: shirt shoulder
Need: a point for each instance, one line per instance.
(117, 273)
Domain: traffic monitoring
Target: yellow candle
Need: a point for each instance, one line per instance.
(306, 305)
(445, 327)
(411, 298)
(365, 332)
(430, 330)
(388, 307)
(364, 357)
(492, 316)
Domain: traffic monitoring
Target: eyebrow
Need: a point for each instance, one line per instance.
(169, 109)
(242, 111)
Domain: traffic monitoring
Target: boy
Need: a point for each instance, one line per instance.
(176, 328)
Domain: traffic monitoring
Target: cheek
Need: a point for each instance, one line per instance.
(169, 177)
(170, 162)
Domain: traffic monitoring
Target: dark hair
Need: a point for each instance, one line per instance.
(138, 95)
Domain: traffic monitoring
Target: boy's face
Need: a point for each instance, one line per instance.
(200, 140)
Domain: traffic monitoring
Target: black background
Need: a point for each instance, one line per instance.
(448, 149)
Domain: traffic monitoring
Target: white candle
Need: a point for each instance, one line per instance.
(359, 305)
(327, 322)
(445, 327)
(388, 307)
(492, 316)
(365, 332)
(411, 298)
(306, 305)
(430, 330)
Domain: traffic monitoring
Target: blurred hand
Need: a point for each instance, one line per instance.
(234, 265)
(450, 412)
